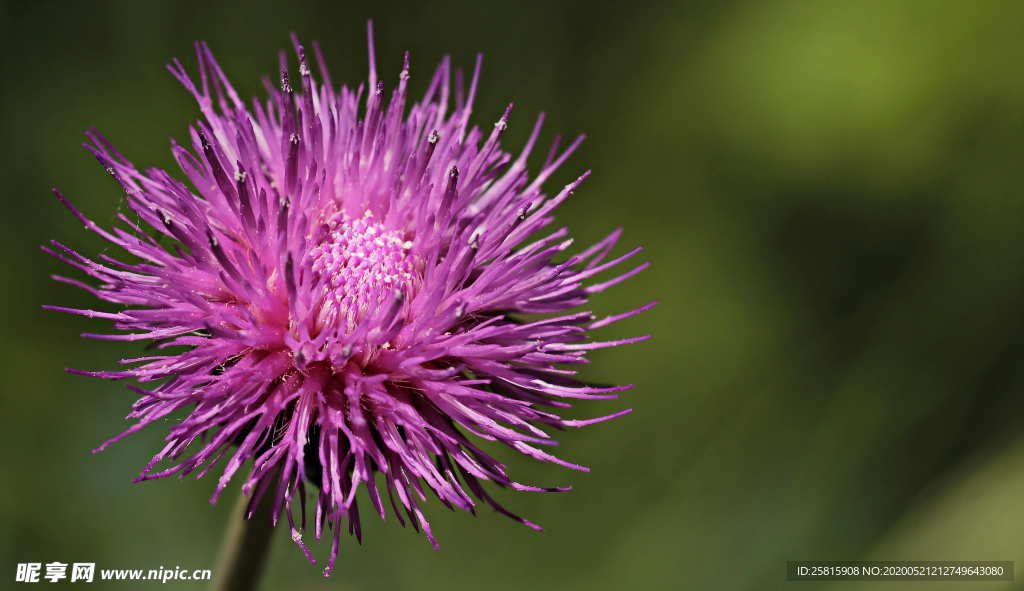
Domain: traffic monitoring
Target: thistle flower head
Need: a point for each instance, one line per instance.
(348, 293)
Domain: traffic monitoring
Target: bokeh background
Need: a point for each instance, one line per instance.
(830, 195)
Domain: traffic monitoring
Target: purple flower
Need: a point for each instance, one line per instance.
(348, 295)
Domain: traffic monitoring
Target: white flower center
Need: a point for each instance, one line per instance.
(362, 265)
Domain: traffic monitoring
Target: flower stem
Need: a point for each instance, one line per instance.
(244, 549)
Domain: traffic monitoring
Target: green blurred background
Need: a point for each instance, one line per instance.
(829, 192)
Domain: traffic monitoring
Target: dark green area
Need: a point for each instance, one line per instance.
(830, 195)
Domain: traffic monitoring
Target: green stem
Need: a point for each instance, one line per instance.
(243, 552)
